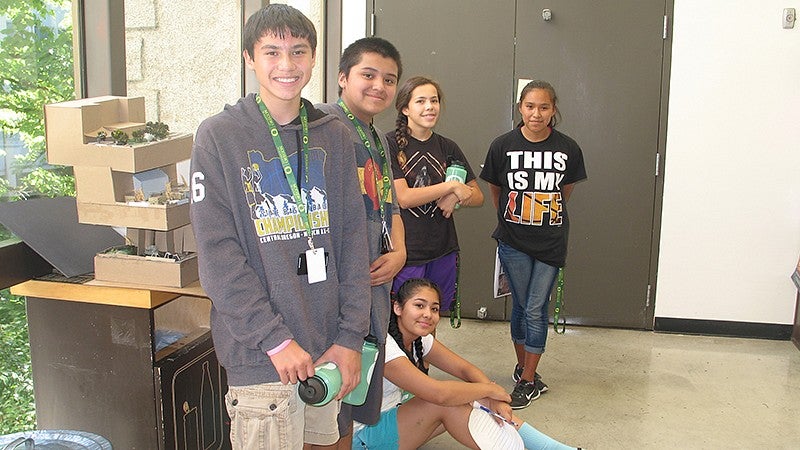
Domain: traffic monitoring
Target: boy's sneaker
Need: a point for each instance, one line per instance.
(524, 393)
(537, 379)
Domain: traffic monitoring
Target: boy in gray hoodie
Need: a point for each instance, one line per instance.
(279, 221)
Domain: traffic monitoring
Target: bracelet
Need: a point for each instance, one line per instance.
(280, 347)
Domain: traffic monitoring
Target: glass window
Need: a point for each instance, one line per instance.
(36, 62)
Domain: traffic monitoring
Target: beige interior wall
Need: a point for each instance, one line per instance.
(315, 10)
(185, 57)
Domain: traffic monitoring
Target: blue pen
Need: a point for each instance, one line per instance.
(483, 408)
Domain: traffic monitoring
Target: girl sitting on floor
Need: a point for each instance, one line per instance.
(474, 410)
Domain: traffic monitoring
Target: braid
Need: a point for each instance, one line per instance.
(418, 349)
(401, 136)
(397, 335)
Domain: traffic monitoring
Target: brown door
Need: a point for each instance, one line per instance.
(449, 41)
(606, 61)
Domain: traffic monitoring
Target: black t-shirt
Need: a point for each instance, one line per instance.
(429, 235)
(532, 216)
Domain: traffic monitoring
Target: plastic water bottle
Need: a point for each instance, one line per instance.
(456, 171)
(323, 387)
(369, 354)
(320, 389)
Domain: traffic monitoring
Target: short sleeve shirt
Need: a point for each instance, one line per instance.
(532, 214)
(429, 235)
(391, 393)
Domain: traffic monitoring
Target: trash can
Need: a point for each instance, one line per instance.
(54, 440)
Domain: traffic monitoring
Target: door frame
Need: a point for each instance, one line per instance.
(658, 195)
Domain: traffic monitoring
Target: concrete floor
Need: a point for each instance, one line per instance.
(624, 389)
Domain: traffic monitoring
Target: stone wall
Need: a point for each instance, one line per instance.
(185, 57)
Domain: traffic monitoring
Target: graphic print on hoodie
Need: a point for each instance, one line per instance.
(273, 208)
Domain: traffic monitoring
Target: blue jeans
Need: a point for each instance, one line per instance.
(531, 282)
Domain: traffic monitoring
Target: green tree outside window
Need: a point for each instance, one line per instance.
(37, 69)
(36, 66)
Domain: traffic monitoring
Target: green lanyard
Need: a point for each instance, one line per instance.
(387, 188)
(287, 168)
(455, 313)
(559, 308)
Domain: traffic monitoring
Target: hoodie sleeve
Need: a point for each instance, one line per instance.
(352, 248)
(236, 291)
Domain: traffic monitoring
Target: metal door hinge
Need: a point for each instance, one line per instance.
(658, 162)
(372, 19)
(665, 32)
(647, 300)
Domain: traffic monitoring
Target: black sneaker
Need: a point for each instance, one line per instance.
(537, 379)
(517, 373)
(524, 393)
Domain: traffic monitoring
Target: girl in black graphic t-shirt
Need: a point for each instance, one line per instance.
(420, 158)
(531, 172)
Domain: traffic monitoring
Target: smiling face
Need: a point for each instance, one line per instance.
(537, 109)
(370, 85)
(282, 67)
(419, 315)
(422, 110)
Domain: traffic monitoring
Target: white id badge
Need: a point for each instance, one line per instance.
(315, 260)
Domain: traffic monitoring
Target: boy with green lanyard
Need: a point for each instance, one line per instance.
(275, 203)
(369, 70)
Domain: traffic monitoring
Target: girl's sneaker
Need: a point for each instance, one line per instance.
(524, 393)
(537, 379)
(517, 373)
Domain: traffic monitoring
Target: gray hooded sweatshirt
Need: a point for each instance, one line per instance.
(250, 235)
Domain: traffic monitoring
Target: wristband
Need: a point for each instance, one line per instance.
(280, 347)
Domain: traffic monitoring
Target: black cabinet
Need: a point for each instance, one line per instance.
(96, 368)
(192, 388)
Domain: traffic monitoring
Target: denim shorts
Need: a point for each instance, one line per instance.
(271, 415)
(381, 436)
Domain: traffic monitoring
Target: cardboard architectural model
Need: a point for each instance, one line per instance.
(126, 176)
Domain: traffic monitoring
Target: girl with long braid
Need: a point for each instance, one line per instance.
(420, 158)
(472, 409)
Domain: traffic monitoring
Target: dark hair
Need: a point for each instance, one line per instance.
(352, 54)
(278, 20)
(406, 291)
(545, 86)
(402, 131)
